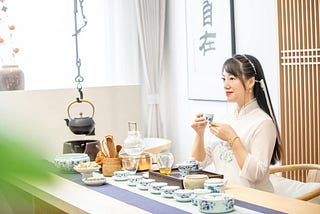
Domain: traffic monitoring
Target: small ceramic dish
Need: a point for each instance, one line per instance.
(216, 203)
(94, 181)
(87, 167)
(119, 178)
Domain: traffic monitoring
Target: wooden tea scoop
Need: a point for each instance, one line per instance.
(104, 154)
(111, 147)
(105, 147)
(118, 149)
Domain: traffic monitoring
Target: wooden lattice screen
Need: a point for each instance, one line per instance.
(299, 46)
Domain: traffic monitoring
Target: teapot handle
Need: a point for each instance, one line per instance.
(86, 101)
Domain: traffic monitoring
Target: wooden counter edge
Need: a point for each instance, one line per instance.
(271, 200)
(74, 198)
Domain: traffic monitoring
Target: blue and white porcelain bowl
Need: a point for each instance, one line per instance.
(67, 162)
(216, 203)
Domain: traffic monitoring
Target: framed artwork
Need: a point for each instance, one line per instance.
(210, 41)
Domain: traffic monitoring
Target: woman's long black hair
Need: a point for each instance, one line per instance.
(245, 67)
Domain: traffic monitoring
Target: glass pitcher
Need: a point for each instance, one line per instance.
(133, 144)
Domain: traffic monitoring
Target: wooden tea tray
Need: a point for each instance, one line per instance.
(175, 178)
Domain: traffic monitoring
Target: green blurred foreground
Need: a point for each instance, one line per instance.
(18, 160)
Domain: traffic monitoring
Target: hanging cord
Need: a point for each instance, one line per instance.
(79, 79)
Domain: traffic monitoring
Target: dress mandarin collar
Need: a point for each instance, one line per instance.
(248, 107)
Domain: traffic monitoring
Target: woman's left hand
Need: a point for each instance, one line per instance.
(222, 131)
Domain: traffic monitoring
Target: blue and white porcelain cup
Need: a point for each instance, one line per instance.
(156, 187)
(144, 183)
(121, 175)
(183, 195)
(168, 191)
(134, 179)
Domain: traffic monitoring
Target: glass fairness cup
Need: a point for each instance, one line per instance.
(165, 161)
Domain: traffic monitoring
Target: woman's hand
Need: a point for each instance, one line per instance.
(199, 124)
(223, 131)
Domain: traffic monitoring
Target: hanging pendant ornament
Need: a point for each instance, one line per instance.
(79, 79)
(80, 125)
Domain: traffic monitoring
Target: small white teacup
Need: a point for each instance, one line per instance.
(216, 185)
(155, 187)
(134, 179)
(183, 195)
(168, 191)
(144, 183)
(121, 175)
(197, 193)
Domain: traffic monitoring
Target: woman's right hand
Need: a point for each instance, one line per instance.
(199, 124)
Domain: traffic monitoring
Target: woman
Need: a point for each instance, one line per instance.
(248, 140)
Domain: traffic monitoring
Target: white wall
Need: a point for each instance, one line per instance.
(256, 34)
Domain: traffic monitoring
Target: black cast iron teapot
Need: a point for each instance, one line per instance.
(81, 125)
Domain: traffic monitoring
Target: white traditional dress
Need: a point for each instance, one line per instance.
(258, 134)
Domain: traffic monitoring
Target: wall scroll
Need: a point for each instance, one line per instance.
(210, 41)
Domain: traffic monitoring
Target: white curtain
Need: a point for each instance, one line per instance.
(151, 25)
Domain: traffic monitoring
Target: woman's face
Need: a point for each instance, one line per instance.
(235, 91)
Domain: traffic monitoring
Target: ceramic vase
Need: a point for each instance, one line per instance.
(11, 78)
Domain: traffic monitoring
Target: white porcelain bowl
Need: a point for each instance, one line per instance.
(215, 203)
(67, 162)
